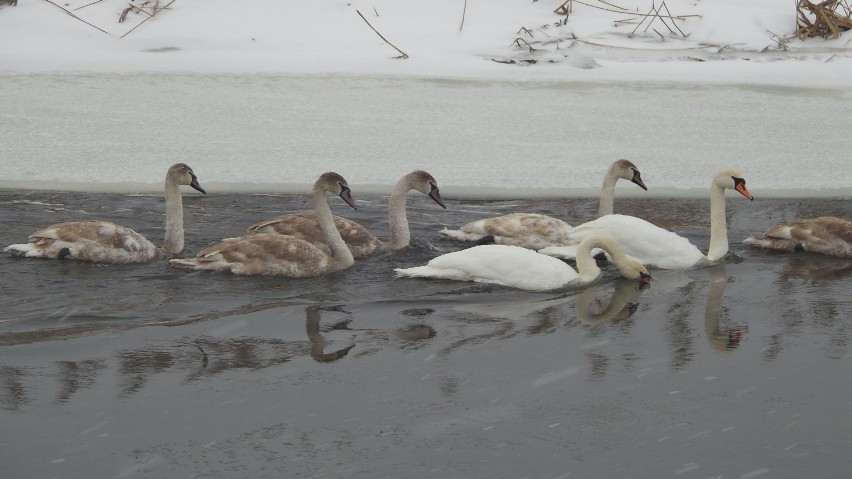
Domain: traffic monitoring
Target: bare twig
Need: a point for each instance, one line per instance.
(518, 43)
(76, 17)
(402, 54)
(86, 5)
(464, 11)
(673, 22)
(148, 18)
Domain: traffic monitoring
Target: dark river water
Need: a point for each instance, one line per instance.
(738, 370)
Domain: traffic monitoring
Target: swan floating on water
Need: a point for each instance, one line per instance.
(826, 235)
(656, 247)
(280, 255)
(361, 242)
(105, 242)
(522, 268)
(536, 231)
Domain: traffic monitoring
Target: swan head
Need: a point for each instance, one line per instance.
(334, 183)
(182, 174)
(732, 179)
(631, 268)
(626, 170)
(426, 184)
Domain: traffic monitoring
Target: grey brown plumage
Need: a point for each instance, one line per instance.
(826, 235)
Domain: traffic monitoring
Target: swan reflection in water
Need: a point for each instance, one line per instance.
(721, 339)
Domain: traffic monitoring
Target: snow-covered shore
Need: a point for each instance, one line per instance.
(722, 41)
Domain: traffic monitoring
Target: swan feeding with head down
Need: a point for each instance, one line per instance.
(657, 247)
(280, 255)
(536, 231)
(522, 268)
(105, 242)
(361, 242)
(826, 235)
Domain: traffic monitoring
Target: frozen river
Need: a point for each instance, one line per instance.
(276, 133)
(736, 371)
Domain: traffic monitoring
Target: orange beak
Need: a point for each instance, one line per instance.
(743, 191)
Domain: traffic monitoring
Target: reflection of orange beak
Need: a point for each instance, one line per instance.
(743, 191)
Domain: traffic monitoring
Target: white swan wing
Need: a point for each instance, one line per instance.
(824, 235)
(96, 241)
(510, 266)
(649, 244)
(527, 230)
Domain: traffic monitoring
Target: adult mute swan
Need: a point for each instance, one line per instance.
(657, 247)
(280, 255)
(361, 242)
(824, 235)
(105, 242)
(522, 268)
(536, 231)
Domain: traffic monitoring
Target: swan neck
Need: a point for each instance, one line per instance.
(718, 224)
(340, 252)
(607, 194)
(400, 235)
(587, 267)
(173, 242)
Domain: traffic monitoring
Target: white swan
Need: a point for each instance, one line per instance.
(522, 268)
(279, 255)
(824, 235)
(536, 231)
(361, 242)
(105, 242)
(657, 247)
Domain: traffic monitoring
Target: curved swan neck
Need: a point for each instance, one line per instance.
(173, 242)
(718, 224)
(587, 267)
(608, 193)
(339, 251)
(400, 235)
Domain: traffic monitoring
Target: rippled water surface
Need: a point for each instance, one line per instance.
(737, 370)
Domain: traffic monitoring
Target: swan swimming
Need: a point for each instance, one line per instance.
(361, 242)
(826, 235)
(280, 255)
(522, 268)
(536, 231)
(657, 247)
(105, 242)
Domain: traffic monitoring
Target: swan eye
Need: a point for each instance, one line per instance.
(738, 181)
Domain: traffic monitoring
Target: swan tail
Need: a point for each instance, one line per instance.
(431, 272)
(33, 250)
(774, 243)
(415, 272)
(460, 235)
(185, 263)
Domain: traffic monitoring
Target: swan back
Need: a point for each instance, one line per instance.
(824, 235)
(510, 266)
(645, 242)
